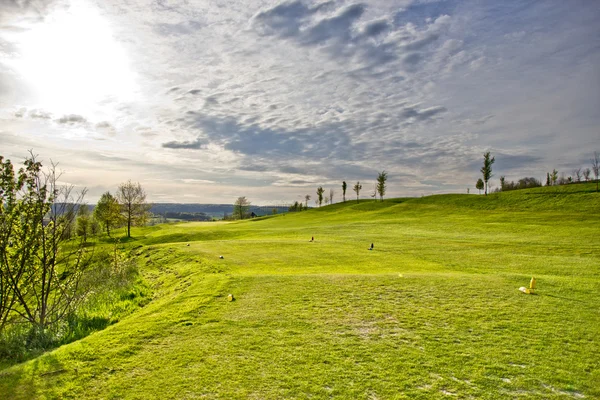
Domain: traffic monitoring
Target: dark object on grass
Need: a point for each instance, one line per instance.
(221, 257)
(230, 297)
(371, 248)
(312, 239)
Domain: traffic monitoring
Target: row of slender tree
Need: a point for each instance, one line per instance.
(380, 189)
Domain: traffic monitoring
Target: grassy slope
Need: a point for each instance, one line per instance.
(433, 312)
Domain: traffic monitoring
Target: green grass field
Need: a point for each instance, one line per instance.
(432, 312)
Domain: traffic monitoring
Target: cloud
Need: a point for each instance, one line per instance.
(71, 119)
(188, 145)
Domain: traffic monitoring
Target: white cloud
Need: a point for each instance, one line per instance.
(268, 98)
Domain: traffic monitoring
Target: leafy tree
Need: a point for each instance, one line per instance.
(241, 207)
(381, 184)
(108, 212)
(486, 170)
(502, 182)
(84, 221)
(306, 199)
(596, 167)
(357, 189)
(320, 192)
(479, 185)
(344, 187)
(548, 182)
(586, 174)
(554, 177)
(40, 276)
(134, 208)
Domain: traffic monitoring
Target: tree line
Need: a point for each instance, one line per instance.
(379, 188)
(47, 268)
(552, 178)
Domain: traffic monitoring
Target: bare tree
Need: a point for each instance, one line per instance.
(331, 194)
(577, 174)
(596, 167)
(586, 174)
(357, 189)
(134, 208)
(306, 199)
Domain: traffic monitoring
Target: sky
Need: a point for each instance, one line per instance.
(205, 101)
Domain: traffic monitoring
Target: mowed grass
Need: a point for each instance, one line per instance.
(432, 312)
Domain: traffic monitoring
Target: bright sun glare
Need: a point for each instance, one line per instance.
(73, 61)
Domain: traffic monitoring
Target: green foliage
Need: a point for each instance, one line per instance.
(108, 212)
(433, 311)
(381, 186)
(344, 187)
(479, 185)
(486, 170)
(357, 188)
(320, 192)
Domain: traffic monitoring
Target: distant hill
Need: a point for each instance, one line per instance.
(212, 210)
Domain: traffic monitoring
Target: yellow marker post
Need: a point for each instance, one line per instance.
(532, 285)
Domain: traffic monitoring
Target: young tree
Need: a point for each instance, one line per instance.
(357, 189)
(320, 192)
(577, 174)
(83, 222)
(331, 193)
(596, 167)
(108, 212)
(241, 207)
(479, 185)
(502, 182)
(326, 200)
(134, 208)
(486, 170)
(586, 174)
(39, 273)
(554, 177)
(548, 182)
(344, 187)
(306, 199)
(381, 185)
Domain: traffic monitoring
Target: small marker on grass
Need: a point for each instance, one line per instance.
(230, 297)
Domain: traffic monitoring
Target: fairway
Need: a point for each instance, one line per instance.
(432, 312)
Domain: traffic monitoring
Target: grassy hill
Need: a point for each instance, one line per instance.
(432, 312)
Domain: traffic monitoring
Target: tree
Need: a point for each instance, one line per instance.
(241, 207)
(331, 194)
(479, 185)
(381, 186)
(486, 170)
(357, 189)
(344, 187)
(596, 167)
(84, 221)
(108, 212)
(577, 174)
(548, 179)
(320, 192)
(554, 177)
(502, 182)
(326, 200)
(306, 199)
(586, 174)
(40, 275)
(134, 208)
